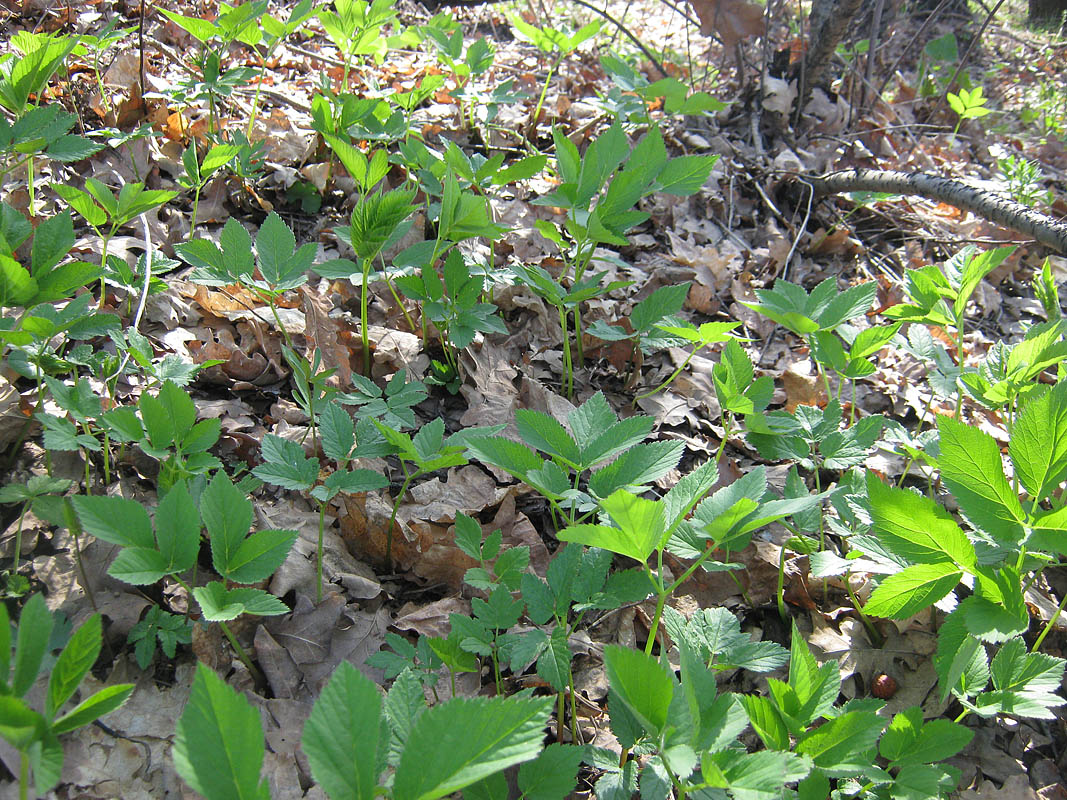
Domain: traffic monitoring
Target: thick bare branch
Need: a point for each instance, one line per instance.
(1048, 231)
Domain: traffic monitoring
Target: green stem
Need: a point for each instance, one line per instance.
(103, 268)
(278, 322)
(408, 478)
(1050, 623)
(541, 99)
(568, 367)
(364, 334)
(196, 207)
(253, 670)
(782, 612)
(876, 637)
(24, 775)
(672, 376)
(318, 565)
(18, 540)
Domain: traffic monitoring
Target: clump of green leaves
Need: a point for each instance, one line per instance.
(354, 735)
(593, 436)
(35, 734)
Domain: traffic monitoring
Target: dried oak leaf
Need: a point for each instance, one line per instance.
(733, 20)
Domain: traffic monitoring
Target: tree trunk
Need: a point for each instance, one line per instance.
(1047, 10)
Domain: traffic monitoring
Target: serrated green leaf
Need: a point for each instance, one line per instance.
(457, 743)
(912, 589)
(31, 644)
(115, 520)
(341, 737)
(93, 707)
(1038, 446)
(552, 775)
(972, 469)
(916, 528)
(73, 664)
(640, 682)
(218, 743)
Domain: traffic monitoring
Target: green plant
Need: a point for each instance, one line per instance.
(967, 105)
(465, 63)
(643, 329)
(354, 735)
(285, 464)
(29, 495)
(1016, 539)
(164, 426)
(593, 436)
(159, 626)
(392, 405)
(234, 24)
(427, 451)
(555, 43)
(824, 310)
(171, 547)
(454, 305)
(377, 220)
(198, 173)
(99, 207)
(707, 334)
(274, 33)
(46, 279)
(280, 264)
(97, 45)
(1023, 180)
(939, 296)
(598, 192)
(35, 735)
(737, 389)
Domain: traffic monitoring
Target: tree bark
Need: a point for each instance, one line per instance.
(1047, 10)
(828, 20)
(1048, 231)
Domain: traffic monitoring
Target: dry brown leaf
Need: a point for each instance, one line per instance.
(733, 20)
(803, 387)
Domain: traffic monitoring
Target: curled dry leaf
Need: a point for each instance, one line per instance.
(732, 20)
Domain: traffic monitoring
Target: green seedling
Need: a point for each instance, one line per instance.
(938, 296)
(280, 264)
(556, 44)
(1023, 178)
(454, 305)
(209, 81)
(427, 451)
(198, 172)
(377, 221)
(162, 628)
(81, 431)
(29, 494)
(47, 278)
(42, 131)
(96, 46)
(598, 193)
(354, 735)
(594, 436)
(171, 548)
(164, 426)
(1008, 376)
(566, 301)
(643, 329)
(392, 406)
(34, 734)
(824, 310)
(737, 389)
(106, 212)
(286, 465)
(707, 334)
(967, 105)
(274, 33)
(853, 363)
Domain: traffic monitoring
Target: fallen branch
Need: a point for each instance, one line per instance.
(1048, 231)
